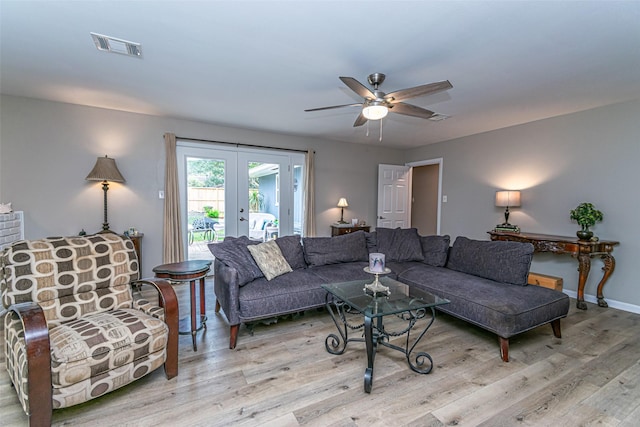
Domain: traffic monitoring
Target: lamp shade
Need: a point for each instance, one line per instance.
(507, 198)
(342, 203)
(105, 169)
(375, 111)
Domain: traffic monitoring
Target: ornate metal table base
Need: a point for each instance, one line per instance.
(375, 334)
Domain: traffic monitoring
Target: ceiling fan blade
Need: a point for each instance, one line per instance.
(401, 95)
(358, 87)
(410, 110)
(360, 120)
(334, 106)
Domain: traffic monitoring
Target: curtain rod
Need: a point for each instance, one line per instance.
(240, 144)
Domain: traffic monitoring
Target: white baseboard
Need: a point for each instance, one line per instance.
(612, 303)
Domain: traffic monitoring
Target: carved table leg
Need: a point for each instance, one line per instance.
(203, 308)
(609, 266)
(370, 341)
(192, 291)
(584, 265)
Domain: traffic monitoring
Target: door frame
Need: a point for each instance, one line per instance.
(437, 161)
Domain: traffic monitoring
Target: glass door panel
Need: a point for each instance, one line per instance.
(208, 192)
(259, 195)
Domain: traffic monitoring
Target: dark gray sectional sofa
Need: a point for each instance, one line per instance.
(485, 281)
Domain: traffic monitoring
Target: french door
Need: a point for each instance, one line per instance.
(238, 191)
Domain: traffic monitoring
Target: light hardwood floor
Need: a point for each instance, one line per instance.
(282, 376)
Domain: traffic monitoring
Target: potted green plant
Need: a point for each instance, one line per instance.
(256, 201)
(586, 215)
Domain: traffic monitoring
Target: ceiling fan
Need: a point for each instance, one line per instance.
(377, 104)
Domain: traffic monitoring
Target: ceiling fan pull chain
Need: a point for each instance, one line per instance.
(367, 133)
(380, 130)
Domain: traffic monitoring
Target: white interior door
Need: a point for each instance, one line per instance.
(393, 196)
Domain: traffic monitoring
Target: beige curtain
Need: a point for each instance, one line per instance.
(172, 247)
(310, 197)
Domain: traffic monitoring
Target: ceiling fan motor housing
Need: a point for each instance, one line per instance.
(376, 79)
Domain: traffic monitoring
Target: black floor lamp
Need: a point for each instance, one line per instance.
(105, 170)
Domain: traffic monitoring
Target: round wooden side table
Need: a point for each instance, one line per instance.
(189, 271)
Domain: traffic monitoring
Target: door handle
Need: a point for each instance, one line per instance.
(242, 218)
(381, 217)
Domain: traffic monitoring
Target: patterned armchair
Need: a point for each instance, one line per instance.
(73, 330)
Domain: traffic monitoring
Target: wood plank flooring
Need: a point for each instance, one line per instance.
(282, 376)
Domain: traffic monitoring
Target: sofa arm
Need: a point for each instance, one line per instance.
(31, 326)
(169, 303)
(227, 291)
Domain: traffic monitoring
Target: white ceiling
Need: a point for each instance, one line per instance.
(259, 64)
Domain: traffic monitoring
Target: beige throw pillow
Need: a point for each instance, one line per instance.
(269, 258)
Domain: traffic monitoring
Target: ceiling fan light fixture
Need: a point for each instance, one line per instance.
(375, 111)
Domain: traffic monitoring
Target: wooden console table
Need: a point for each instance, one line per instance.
(582, 250)
(339, 230)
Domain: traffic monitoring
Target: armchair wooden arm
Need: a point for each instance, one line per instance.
(169, 301)
(36, 337)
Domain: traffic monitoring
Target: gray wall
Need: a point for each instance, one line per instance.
(591, 156)
(48, 148)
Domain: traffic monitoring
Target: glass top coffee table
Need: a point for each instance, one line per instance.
(349, 302)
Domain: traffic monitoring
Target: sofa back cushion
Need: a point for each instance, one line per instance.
(372, 241)
(234, 253)
(506, 262)
(399, 244)
(435, 249)
(69, 277)
(292, 251)
(350, 247)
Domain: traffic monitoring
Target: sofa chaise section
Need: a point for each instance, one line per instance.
(504, 309)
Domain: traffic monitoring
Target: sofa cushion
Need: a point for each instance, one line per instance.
(292, 292)
(344, 272)
(399, 244)
(501, 261)
(292, 251)
(435, 249)
(234, 253)
(333, 250)
(372, 241)
(269, 258)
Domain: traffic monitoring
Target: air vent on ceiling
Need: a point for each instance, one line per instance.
(112, 44)
(438, 117)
